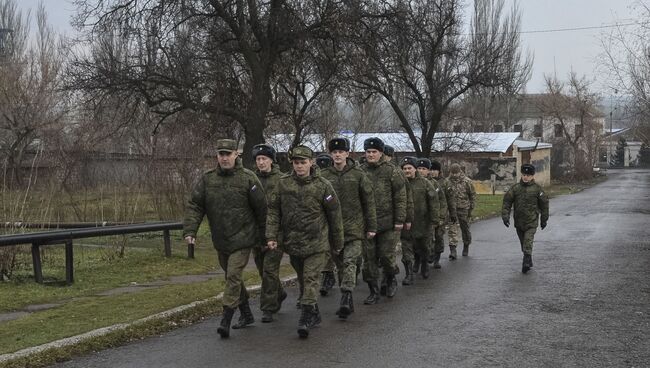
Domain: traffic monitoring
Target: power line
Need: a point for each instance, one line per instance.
(580, 28)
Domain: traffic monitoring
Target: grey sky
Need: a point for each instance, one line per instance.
(558, 52)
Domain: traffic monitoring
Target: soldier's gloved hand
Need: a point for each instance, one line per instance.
(543, 225)
(407, 226)
(370, 234)
(272, 244)
(506, 222)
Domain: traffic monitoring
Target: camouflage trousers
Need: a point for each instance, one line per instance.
(330, 264)
(381, 251)
(438, 239)
(526, 237)
(461, 227)
(268, 266)
(233, 265)
(308, 270)
(413, 246)
(346, 263)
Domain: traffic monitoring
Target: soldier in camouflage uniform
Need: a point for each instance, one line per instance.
(327, 279)
(234, 202)
(359, 216)
(465, 196)
(268, 261)
(529, 201)
(305, 209)
(390, 200)
(417, 239)
(447, 215)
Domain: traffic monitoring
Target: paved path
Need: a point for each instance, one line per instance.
(585, 304)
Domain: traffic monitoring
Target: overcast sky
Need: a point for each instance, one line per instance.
(554, 51)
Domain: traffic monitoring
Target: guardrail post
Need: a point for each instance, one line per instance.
(36, 260)
(168, 243)
(69, 262)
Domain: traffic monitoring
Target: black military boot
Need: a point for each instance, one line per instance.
(525, 266)
(245, 316)
(452, 253)
(315, 317)
(224, 327)
(384, 285)
(327, 281)
(351, 304)
(391, 280)
(431, 258)
(436, 261)
(373, 298)
(530, 260)
(465, 250)
(267, 317)
(304, 321)
(416, 264)
(344, 309)
(408, 279)
(425, 270)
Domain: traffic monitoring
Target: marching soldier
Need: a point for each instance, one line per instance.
(465, 196)
(529, 201)
(355, 194)
(234, 202)
(327, 280)
(390, 201)
(448, 212)
(305, 208)
(268, 261)
(417, 239)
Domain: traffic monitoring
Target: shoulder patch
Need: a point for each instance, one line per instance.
(541, 193)
(254, 188)
(329, 198)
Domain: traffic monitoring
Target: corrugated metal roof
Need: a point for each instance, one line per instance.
(442, 142)
(529, 145)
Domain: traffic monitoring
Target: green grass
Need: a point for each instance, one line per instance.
(487, 205)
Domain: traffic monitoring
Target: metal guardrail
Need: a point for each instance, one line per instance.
(65, 225)
(39, 239)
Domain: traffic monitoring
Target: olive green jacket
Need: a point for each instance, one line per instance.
(270, 179)
(529, 201)
(463, 192)
(448, 204)
(307, 213)
(389, 186)
(357, 199)
(235, 205)
(426, 207)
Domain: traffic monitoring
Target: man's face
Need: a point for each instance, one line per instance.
(423, 171)
(301, 166)
(227, 159)
(409, 171)
(373, 156)
(527, 178)
(434, 173)
(263, 163)
(339, 156)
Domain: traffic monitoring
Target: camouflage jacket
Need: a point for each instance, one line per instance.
(529, 201)
(235, 205)
(389, 187)
(463, 192)
(449, 201)
(357, 199)
(426, 207)
(307, 213)
(269, 179)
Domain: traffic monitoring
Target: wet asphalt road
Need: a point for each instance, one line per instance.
(586, 303)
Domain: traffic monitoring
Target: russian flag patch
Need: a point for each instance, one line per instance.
(329, 198)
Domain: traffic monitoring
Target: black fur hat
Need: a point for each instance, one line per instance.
(342, 144)
(409, 160)
(424, 162)
(265, 150)
(324, 160)
(373, 143)
(389, 151)
(528, 169)
(435, 165)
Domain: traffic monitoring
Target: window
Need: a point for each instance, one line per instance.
(457, 129)
(578, 130)
(498, 128)
(559, 132)
(479, 128)
(538, 131)
(516, 128)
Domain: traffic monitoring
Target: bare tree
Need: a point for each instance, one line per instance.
(415, 54)
(572, 106)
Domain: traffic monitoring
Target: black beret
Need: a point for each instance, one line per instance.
(435, 165)
(373, 143)
(409, 160)
(342, 144)
(528, 169)
(424, 162)
(324, 160)
(389, 150)
(264, 150)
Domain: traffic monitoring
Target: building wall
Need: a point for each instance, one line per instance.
(541, 159)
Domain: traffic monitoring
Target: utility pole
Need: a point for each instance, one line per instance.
(5, 45)
(611, 127)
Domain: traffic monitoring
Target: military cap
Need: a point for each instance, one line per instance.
(324, 160)
(302, 152)
(226, 145)
(342, 144)
(389, 150)
(424, 162)
(435, 165)
(373, 143)
(528, 169)
(409, 160)
(264, 150)
(454, 168)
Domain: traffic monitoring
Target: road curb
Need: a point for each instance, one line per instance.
(74, 340)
